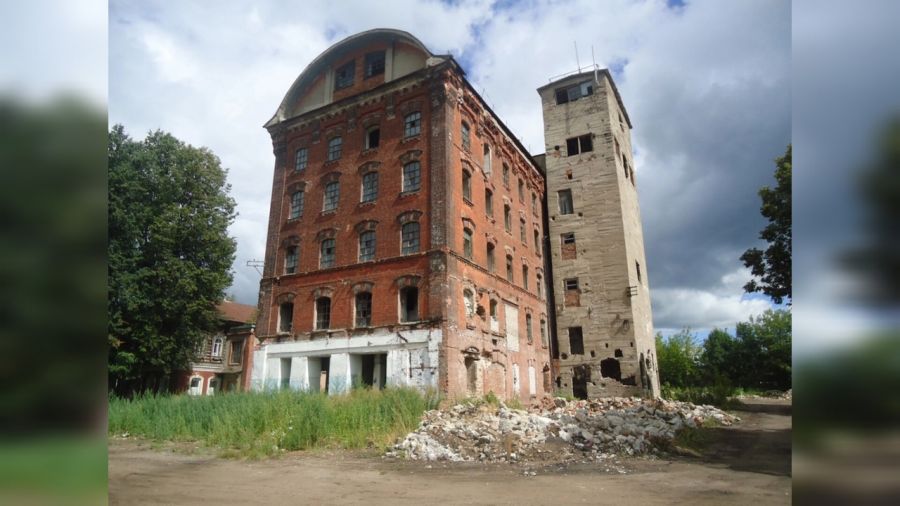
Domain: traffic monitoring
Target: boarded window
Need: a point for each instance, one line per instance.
(512, 327)
(569, 250)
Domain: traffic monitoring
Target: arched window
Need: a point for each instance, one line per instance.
(323, 313)
(367, 246)
(464, 135)
(332, 195)
(525, 277)
(217, 346)
(487, 159)
(326, 257)
(334, 148)
(301, 159)
(285, 317)
(540, 286)
(506, 175)
(373, 137)
(290, 259)
(412, 124)
(509, 268)
(363, 308)
(490, 257)
(543, 333)
(528, 333)
(507, 218)
(467, 185)
(412, 179)
(409, 238)
(467, 243)
(488, 202)
(409, 304)
(469, 301)
(296, 205)
(369, 187)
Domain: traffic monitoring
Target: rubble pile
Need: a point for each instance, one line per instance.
(554, 431)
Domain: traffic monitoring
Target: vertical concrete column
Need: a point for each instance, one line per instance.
(339, 378)
(299, 379)
(258, 372)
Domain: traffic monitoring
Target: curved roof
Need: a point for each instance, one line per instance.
(332, 53)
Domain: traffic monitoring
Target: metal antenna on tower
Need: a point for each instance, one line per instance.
(593, 61)
(256, 264)
(578, 63)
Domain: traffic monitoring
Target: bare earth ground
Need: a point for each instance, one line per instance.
(749, 463)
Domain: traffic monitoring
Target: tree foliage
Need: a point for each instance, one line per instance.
(169, 254)
(677, 357)
(772, 267)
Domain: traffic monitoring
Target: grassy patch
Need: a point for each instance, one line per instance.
(261, 424)
(720, 395)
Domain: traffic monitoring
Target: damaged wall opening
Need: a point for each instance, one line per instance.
(471, 375)
(580, 379)
(610, 368)
(374, 370)
(576, 341)
(409, 304)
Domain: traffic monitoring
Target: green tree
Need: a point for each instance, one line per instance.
(763, 352)
(718, 362)
(677, 358)
(772, 267)
(169, 254)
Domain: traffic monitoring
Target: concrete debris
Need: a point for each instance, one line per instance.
(555, 431)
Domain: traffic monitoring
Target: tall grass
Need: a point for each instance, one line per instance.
(259, 424)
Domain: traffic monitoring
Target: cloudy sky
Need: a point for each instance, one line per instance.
(706, 83)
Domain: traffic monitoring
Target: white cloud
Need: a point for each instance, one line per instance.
(703, 86)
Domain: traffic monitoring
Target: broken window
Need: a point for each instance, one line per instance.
(543, 333)
(571, 284)
(522, 235)
(285, 317)
(581, 144)
(569, 250)
(369, 187)
(334, 148)
(488, 203)
(290, 260)
(296, 205)
(490, 257)
(409, 238)
(326, 256)
(367, 246)
(521, 191)
(469, 301)
(540, 286)
(343, 75)
(411, 177)
(506, 175)
(373, 138)
(576, 341)
(464, 135)
(323, 313)
(237, 352)
(507, 218)
(610, 368)
(574, 92)
(409, 304)
(486, 165)
(617, 353)
(509, 268)
(301, 159)
(580, 378)
(363, 309)
(467, 186)
(467, 243)
(565, 202)
(332, 195)
(374, 64)
(528, 333)
(525, 277)
(412, 124)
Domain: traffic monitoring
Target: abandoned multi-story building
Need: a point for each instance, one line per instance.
(408, 237)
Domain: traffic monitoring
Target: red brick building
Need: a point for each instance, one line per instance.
(406, 232)
(223, 364)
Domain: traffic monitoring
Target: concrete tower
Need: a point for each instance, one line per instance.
(603, 341)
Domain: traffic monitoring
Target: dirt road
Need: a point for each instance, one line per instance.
(749, 463)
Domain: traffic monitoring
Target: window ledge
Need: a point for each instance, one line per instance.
(409, 192)
(331, 163)
(368, 151)
(411, 138)
(327, 212)
(294, 220)
(468, 202)
(367, 203)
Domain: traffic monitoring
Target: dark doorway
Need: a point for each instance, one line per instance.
(324, 375)
(471, 375)
(580, 380)
(374, 370)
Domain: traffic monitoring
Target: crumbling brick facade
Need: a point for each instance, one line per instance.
(393, 179)
(604, 330)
